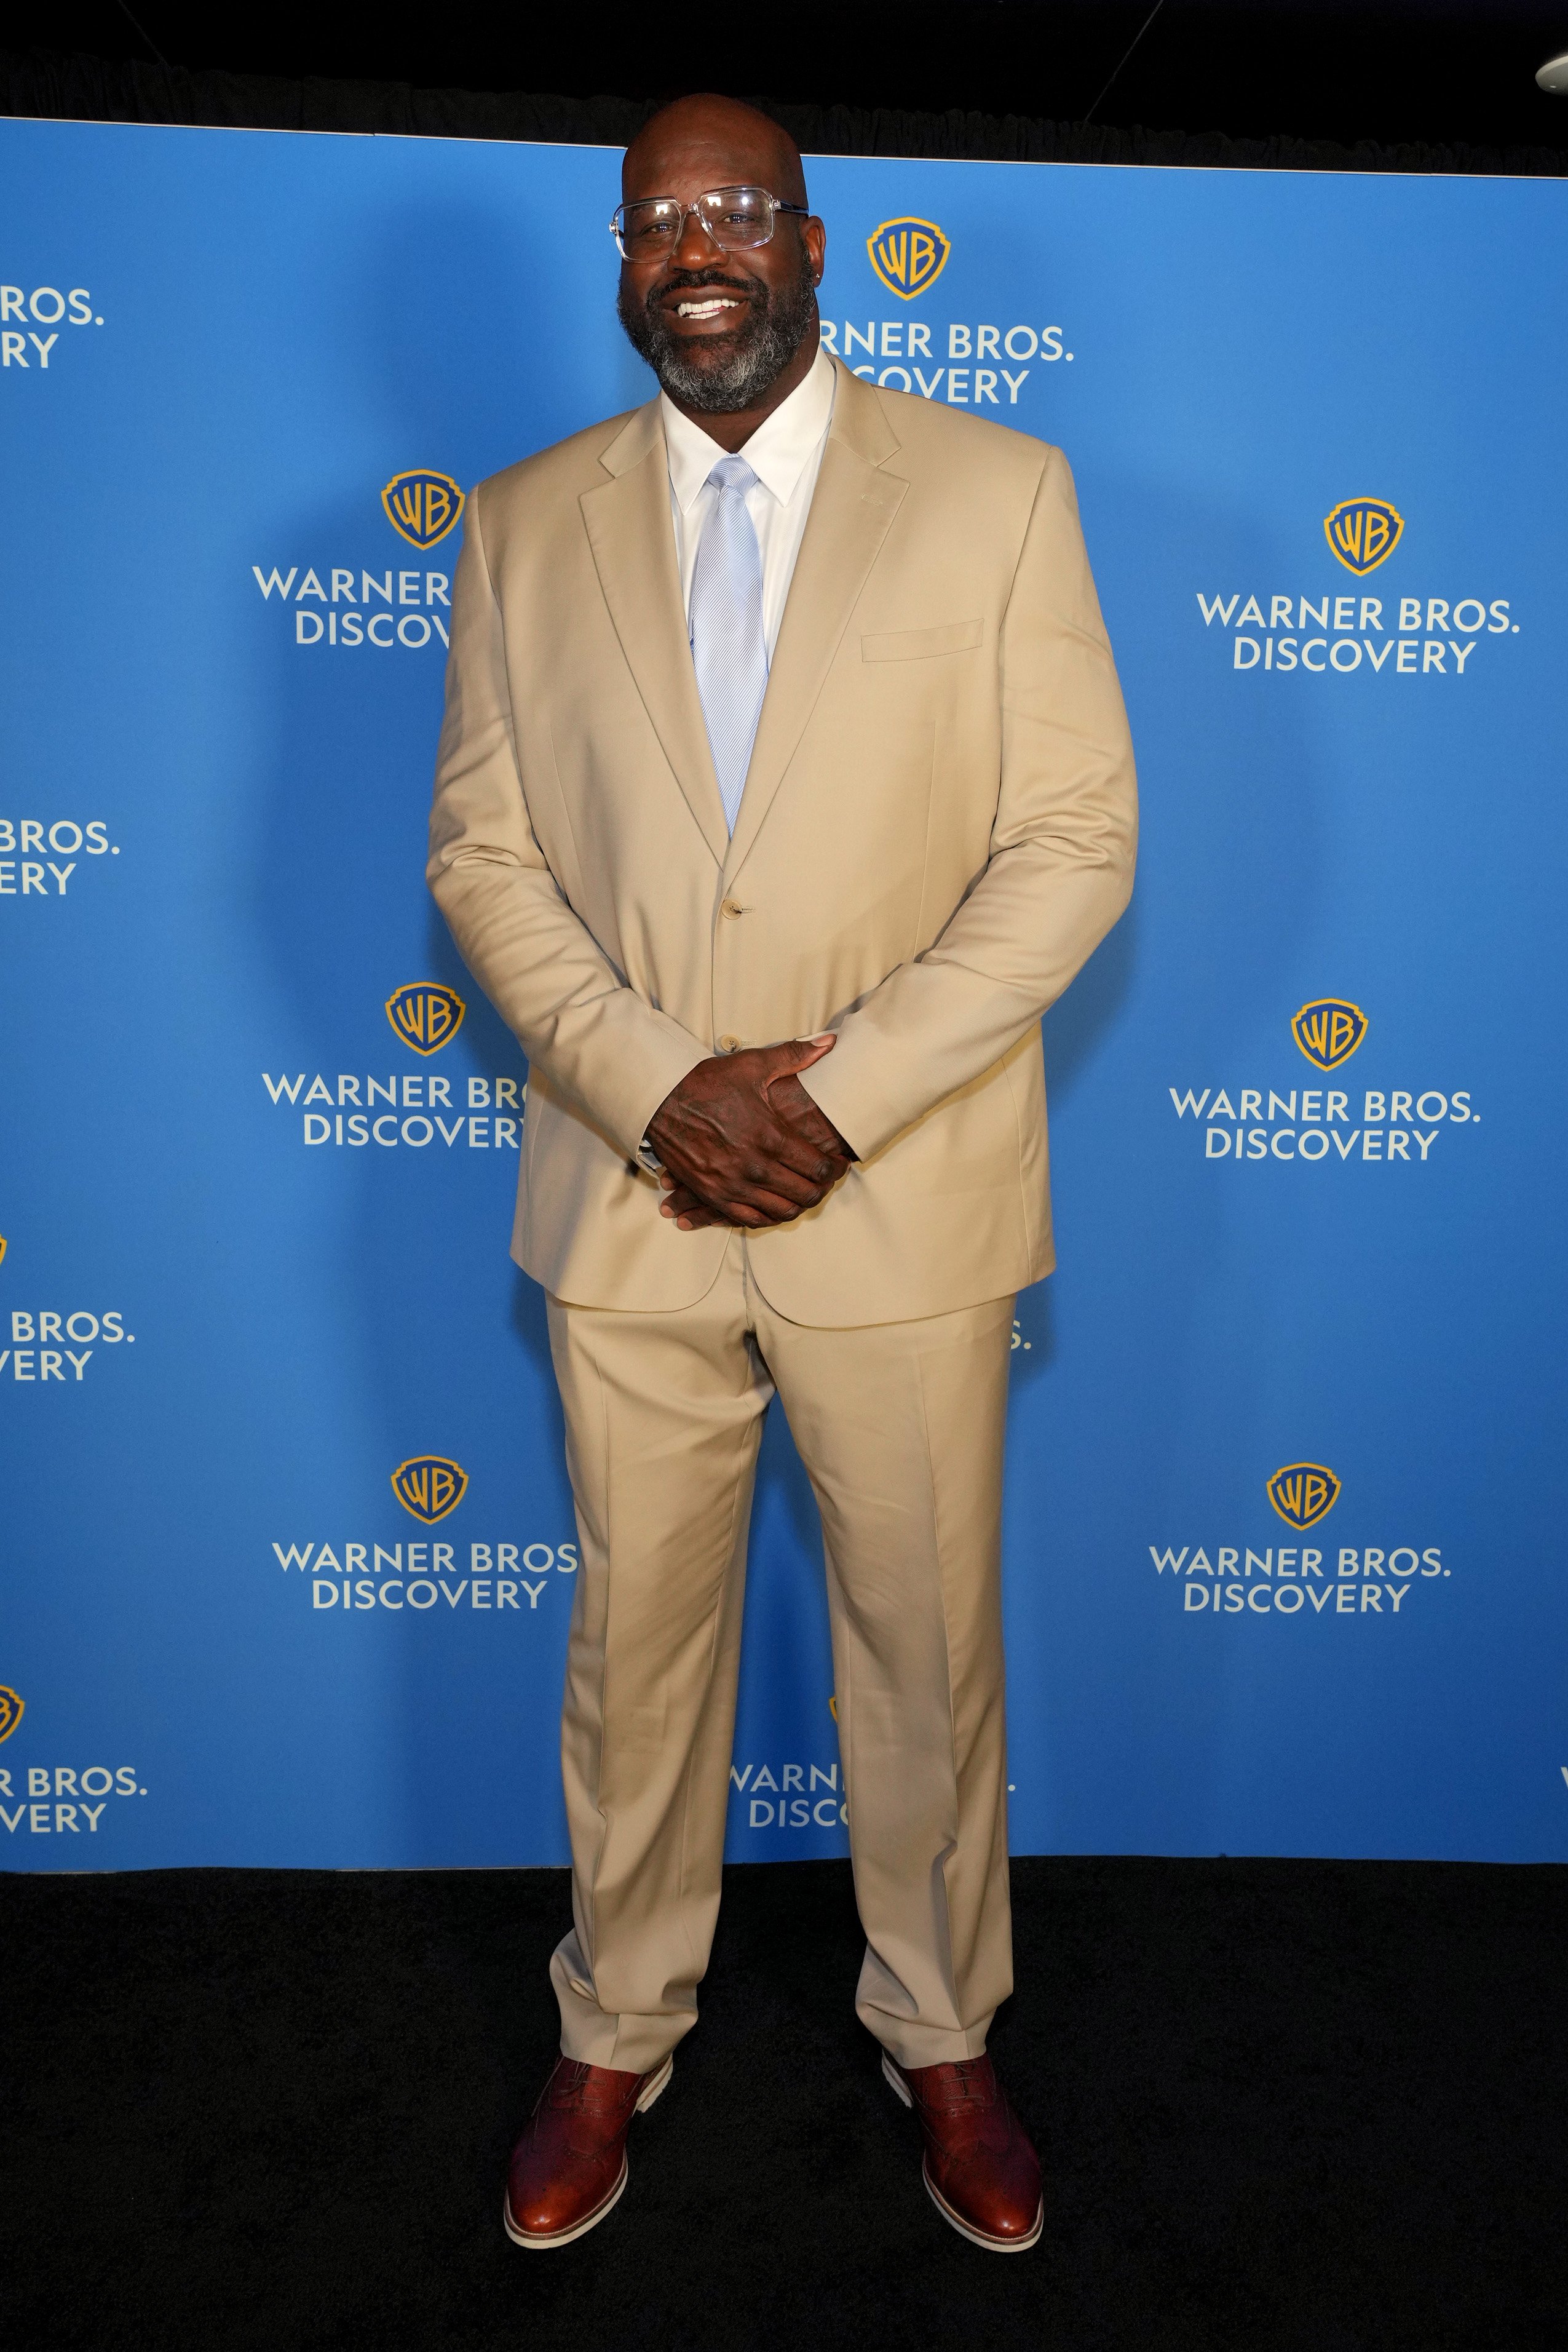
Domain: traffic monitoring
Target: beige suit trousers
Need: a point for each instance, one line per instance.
(900, 1427)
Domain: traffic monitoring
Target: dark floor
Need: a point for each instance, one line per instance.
(1314, 2105)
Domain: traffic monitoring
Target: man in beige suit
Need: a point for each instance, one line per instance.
(785, 781)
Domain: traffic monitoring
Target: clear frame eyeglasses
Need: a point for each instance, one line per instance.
(733, 219)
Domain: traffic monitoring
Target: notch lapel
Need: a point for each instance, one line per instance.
(628, 523)
(853, 509)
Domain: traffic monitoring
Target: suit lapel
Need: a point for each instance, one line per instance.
(853, 509)
(628, 524)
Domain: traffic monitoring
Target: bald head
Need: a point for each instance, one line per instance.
(720, 143)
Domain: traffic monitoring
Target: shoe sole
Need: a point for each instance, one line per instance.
(533, 2245)
(896, 2083)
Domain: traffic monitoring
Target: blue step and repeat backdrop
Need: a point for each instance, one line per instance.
(288, 1548)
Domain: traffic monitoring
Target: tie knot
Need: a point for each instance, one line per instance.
(732, 474)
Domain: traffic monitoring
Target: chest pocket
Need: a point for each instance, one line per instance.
(920, 645)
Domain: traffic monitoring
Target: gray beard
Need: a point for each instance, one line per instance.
(749, 362)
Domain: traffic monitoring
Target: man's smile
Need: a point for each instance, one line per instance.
(695, 303)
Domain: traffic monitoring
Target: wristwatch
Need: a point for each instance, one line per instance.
(649, 1158)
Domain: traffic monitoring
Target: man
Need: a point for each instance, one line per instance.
(785, 781)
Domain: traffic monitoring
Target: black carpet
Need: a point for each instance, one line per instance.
(1317, 2106)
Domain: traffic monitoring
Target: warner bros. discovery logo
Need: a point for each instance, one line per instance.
(422, 506)
(1363, 534)
(34, 863)
(1327, 634)
(983, 364)
(1303, 1493)
(45, 1344)
(30, 1794)
(425, 1013)
(491, 1577)
(430, 1485)
(408, 1108)
(26, 1807)
(1328, 1030)
(795, 1801)
(350, 607)
(1296, 1579)
(908, 254)
(1328, 1125)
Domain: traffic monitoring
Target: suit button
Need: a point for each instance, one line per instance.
(730, 909)
(729, 1044)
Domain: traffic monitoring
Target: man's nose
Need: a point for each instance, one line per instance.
(696, 246)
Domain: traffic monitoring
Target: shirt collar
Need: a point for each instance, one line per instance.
(778, 452)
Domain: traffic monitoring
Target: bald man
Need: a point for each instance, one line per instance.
(785, 781)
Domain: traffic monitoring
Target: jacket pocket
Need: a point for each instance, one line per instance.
(919, 644)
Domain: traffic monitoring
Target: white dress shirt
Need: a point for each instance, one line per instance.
(785, 453)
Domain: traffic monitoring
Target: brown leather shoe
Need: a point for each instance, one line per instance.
(570, 2166)
(980, 2171)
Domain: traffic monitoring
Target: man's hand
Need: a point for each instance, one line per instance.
(742, 1142)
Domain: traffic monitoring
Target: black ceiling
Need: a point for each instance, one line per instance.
(1389, 70)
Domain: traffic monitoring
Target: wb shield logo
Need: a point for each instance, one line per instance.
(1303, 1493)
(425, 1014)
(422, 507)
(1364, 532)
(11, 1712)
(1329, 1031)
(430, 1487)
(908, 255)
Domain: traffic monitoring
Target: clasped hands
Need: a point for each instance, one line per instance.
(742, 1142)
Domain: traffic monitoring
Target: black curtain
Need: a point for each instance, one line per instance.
(96, 89)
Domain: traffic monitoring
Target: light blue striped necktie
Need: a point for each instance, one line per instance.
(729, 651)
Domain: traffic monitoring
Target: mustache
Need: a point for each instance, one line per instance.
(703, 281)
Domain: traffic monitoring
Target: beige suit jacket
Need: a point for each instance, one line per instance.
(937, 829)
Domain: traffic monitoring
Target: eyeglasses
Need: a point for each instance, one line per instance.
(732, 218)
